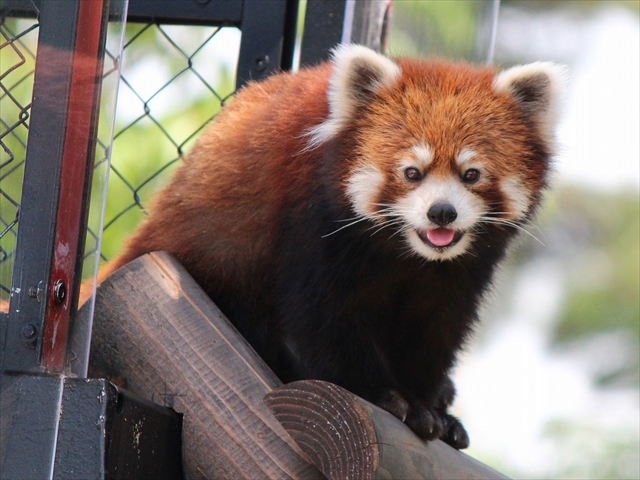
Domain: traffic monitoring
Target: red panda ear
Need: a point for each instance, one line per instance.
(358, 72)
(537, 88)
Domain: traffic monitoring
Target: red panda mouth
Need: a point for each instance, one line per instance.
(440, 237)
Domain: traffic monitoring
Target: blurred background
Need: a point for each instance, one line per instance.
(549, 388)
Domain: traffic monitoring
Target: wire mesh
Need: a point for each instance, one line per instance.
(175, 80)
(19, 39)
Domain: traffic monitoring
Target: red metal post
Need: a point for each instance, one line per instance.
(78, 159)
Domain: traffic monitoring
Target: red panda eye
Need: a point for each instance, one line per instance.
(413, 174)
(471, 176)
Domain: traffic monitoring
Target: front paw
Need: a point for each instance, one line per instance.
(455, 433)
(429, 423)
(425, 421)
(395, 403)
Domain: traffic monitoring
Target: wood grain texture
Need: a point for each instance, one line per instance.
(349, 438)
(157, 333)
(330, 426)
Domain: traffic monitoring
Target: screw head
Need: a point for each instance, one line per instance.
(29, 333)
(36, 292)
(59, 292)
(261, 63)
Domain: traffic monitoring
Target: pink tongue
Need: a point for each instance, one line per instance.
(440, 237)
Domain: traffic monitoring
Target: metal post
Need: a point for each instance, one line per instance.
(56, 182)
(268, 35)
(54, 426)
(329, 23)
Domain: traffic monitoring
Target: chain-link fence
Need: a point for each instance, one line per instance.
(175, 79)
(19, 39)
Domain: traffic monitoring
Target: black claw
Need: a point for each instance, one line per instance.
(455, 434)
(394, 403)
(425, 422)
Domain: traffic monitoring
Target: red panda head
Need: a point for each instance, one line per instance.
(440, 150)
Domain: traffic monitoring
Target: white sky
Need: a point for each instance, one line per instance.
(601, 129)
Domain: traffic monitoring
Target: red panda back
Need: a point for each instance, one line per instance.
(220, 206)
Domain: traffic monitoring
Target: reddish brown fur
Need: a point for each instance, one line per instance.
(223, 219)
(483, 119)
(225, 222)
(249, 212)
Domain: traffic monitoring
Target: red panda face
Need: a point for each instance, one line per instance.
(441, 150)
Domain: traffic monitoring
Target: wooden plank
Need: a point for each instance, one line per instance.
(157, 333)
(349, 438)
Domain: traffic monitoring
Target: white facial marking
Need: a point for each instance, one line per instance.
(465, 156)
(517, 196)
(423, 154)
(364, 185)
(420, 157)
(416, 204)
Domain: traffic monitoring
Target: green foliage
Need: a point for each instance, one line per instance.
(445, 28)
(573, 4)
(144, 159)
(603, 291)
(147, 151)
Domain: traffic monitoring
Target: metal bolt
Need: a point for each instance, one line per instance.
(29, 334)
(59, 292)
(36, 292)
(29, 331)
(261, 63)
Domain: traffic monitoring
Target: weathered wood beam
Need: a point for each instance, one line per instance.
(157, 333)
(349, 438)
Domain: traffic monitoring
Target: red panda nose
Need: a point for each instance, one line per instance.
(442, 214)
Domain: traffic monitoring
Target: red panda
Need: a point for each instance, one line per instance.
(348, 218)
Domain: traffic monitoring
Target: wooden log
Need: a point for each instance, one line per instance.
(349, 438)
(157, 334)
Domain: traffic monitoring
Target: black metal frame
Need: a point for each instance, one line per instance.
(73, 428)
(34, 391)
(268, 26)
(41, 193)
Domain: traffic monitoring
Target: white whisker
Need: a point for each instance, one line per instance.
(384, 225)
(345, 226)
(526, 220)
(348, 219)
(510, 223)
